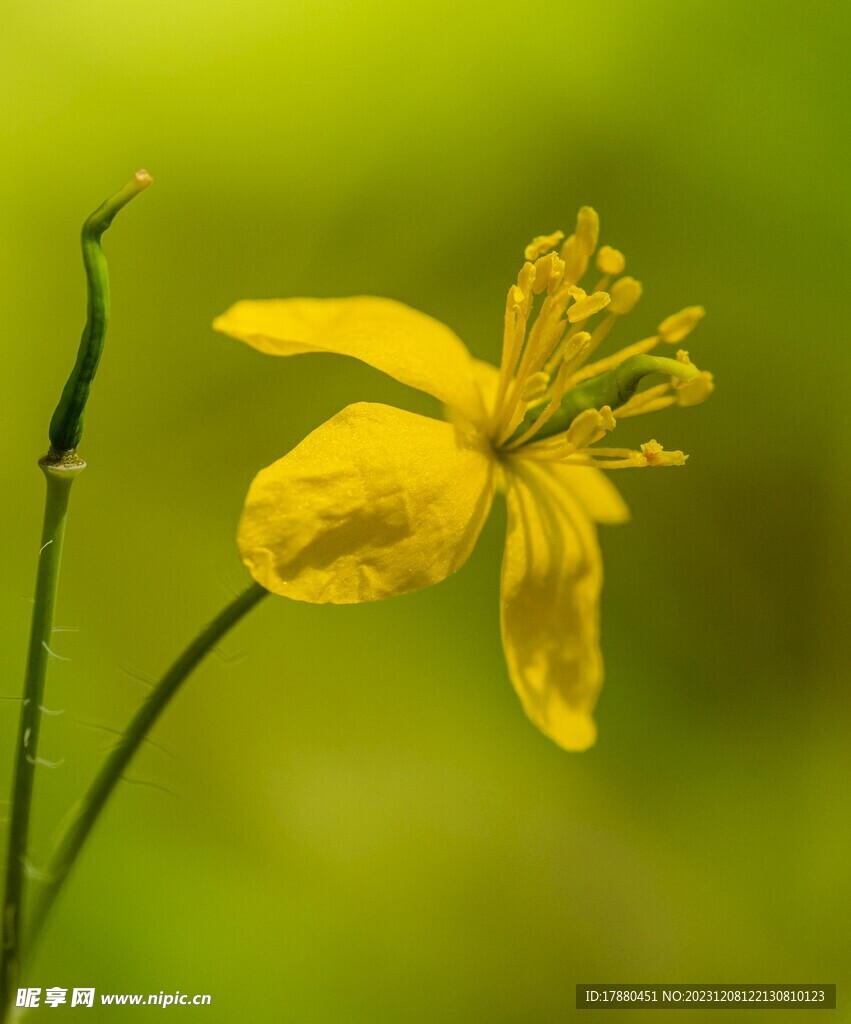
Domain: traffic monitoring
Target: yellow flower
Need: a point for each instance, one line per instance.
(377, 501)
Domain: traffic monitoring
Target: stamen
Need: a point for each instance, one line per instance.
(550, 407)
(651, 400)
(535, 387)
(613, 388)
(589, 426)
(598, 336)
(615, 453)
(610, 261)
(549, 270)
(625, 292)
(517, 308)
(609, 362)
(575, 260)
(693, 392)
(574, 353)
(587, 228)
(576, 350)
(675, 327)
(587, 305)
(651, 454)
(578, 248)
(544, 337)
(541, 244)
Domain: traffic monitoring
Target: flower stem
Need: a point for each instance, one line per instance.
(90, 806)
(59, 481)
(61, 466)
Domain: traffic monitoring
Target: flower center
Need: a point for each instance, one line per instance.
(550, 402)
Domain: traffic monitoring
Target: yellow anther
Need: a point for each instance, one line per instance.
(541, 244)
(535, 387)
(526, 277)
(575, 259)
(610, 261)
(588, 306)
(625, 293)
(693, 392)
(587, 229)
(675, 327)
(573, 355)
(548, 272)
(588, 426)
(655, 455)
(576, 293)
(575, 343)
(607, 417)
(683, 357)
(520, 294)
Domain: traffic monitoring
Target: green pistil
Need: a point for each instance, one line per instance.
(613, 388)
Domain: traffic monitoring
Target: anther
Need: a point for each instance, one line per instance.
(575, 350)
(541, 244)
(587, 427)
(625, 293)
(548, 272)
(525, 280)
(587, 229)
(575, 259)
(535, 387)
(587, 306)
(610, 261)
(693, 392)
(675, 327)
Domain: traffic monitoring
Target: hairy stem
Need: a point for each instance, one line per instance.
(89, 808)
(59, 481)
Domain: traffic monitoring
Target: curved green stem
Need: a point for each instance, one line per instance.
(66, 426)
(89, 808)
(59, 481)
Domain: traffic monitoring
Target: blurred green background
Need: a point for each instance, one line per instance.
(360, 826)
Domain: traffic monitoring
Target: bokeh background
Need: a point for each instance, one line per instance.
(347, 818)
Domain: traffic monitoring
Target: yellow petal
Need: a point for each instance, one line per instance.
(551, 579)
(373, 503)
(400, 341)
(593, 491)
(487, 378)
